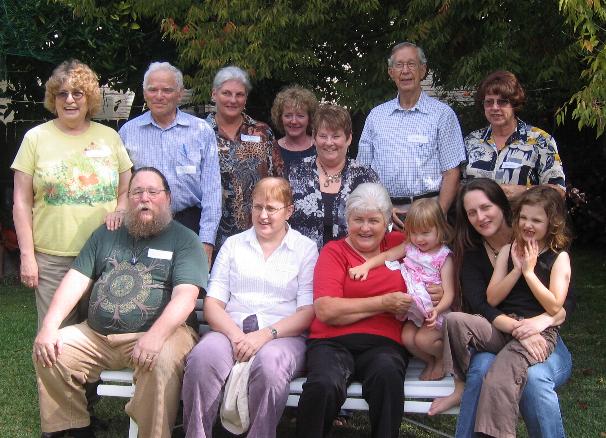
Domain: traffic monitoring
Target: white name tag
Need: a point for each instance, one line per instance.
(392, 265)
(510, 165)
(97, 153)
(251, 138)
(417, 138)
(159, 254)
(185, 169)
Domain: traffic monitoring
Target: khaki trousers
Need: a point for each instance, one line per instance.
(86, 353)
(51, 270)
(498, 405)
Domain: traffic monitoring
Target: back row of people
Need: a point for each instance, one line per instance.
(200, 165)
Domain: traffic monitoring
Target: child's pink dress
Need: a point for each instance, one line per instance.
(418, 269)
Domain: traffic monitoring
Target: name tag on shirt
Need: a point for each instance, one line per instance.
(185, 170)
(251, 138)
(417, 138)
(159, 254)
(510, 165)
(97, 152)
(392, 265)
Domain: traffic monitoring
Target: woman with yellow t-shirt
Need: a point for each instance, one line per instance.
(71, 175)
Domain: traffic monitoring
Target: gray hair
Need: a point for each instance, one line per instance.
(232, 73)
(163, 66)
(369, 197)
(420, 52)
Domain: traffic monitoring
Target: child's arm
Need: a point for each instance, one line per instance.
(552, 298)
(447, 276)
(361, 272)
(501, 281)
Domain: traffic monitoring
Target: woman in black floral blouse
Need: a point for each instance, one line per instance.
(247, 150)
(321, 183)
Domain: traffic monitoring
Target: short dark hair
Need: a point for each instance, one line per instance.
(505, 84)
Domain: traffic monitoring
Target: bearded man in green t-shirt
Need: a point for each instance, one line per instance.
(145, 280)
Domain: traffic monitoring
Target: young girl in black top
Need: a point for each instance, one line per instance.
(531, 276)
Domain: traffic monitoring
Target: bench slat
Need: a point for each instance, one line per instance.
(126, 391)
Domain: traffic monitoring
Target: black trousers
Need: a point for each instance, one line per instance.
(378, 362)
(190, 217)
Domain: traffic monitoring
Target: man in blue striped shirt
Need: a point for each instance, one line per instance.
(414, 141)
(182, 147)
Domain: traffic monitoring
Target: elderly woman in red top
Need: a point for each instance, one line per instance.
(355, 334)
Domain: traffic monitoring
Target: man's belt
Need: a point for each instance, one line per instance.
(410, 199)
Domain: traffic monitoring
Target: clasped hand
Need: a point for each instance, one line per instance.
(246, 345)
(397, 303)
(525, 259)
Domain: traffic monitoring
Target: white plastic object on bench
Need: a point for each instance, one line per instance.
(418, 394)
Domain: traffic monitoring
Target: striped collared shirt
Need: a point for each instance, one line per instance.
(411, 148)
(186, 153)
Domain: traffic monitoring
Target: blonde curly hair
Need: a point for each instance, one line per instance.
(298, 97)
(73, 75)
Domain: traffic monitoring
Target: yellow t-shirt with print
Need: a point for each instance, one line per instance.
(75, 181)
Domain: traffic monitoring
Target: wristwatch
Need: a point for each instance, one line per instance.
(273, 331)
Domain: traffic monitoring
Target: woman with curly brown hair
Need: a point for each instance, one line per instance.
(292, 112)
(509, 151)
(71, 175)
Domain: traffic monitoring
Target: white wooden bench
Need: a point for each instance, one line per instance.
(418, 394)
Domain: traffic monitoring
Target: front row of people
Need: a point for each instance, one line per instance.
(268, 287)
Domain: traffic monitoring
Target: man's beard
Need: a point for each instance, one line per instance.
(140, 229)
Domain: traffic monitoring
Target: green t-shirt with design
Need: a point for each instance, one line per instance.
(134, 279)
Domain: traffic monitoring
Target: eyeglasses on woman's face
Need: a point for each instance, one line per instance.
(489, 103)
(63, 94)
(269, 209)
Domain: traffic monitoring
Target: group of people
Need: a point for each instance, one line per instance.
(322, 265)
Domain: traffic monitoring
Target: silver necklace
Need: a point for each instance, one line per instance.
(330, 178)
(495, 252)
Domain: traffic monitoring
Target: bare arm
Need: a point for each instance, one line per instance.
(502, 281)
(23, 203)
(219, 320)
(114, 220)
(292, 325)
(181, 304)
(552, 298)
(69, 292)
(535, 325)
(449, 187)
(344, 311)
(447, 276)
(361, 272)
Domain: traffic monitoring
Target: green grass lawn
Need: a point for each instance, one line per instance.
(583, 398)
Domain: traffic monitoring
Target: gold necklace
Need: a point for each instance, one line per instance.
(330, 178)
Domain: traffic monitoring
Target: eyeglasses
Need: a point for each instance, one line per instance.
(489, 103)
(412, 66)
(152, 193)
(63, 95)
(162, 91)
(258, 209)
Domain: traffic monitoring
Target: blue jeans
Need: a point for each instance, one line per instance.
(539, 404)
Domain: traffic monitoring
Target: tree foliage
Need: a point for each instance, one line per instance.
(36, 35)
(588, 104)
(340, 47)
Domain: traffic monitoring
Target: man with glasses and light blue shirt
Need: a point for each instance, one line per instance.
(414, 141)
(182, 147)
